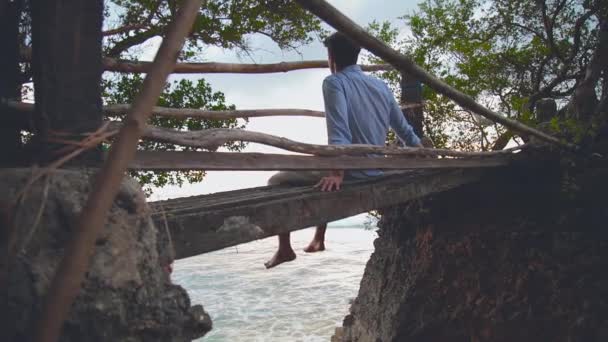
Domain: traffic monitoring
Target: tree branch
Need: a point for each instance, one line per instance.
(529, 30)
(585, 99)
(124, 66)
(501, 142)
(211, 139)
(131, 41)
(566, 66)
(185, 113)
(124, 29)
(548, 25)
(538, 78)
(215, 115)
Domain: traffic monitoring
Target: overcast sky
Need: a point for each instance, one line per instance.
(297, 89)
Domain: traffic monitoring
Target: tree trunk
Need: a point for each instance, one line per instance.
(10, 85)
(411, 94)
(66, 48)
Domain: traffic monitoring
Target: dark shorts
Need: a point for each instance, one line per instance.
(297, 178)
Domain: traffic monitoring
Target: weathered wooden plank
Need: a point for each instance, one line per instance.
(120, 109)
(201, 224)
(131, 66)
(187, 160)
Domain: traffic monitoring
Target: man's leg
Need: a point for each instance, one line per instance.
(285, 252)
(318, 241)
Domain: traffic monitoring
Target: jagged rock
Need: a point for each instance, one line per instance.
(515, 257)
(127, 295)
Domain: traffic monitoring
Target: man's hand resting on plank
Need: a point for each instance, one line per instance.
(331, 182)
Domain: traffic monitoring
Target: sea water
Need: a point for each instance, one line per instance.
(302, 300)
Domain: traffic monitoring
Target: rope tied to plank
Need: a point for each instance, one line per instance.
(89, 140)
(72, 149)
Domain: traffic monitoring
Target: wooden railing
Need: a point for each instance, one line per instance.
(124, 66)
(226, 161)
(129, 66)
(211, 139)
(184, 113)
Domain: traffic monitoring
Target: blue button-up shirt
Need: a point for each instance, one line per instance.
(359, 109)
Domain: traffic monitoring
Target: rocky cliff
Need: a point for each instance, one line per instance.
(127, 294)
(519, 256)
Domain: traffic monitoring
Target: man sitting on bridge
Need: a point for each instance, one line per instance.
(359, 109)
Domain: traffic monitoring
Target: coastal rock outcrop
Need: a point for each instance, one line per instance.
(520, 256)
(127, 294)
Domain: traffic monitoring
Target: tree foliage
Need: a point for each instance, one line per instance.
(222, 23)
(182, 93)
(507, 54)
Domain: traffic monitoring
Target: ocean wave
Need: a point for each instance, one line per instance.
(303, 300)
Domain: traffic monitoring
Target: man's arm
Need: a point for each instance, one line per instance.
(336, 113)
(403, 129)
(338, 130)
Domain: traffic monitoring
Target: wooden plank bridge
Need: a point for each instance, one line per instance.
(206, 223)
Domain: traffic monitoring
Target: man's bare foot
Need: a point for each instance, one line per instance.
(315, 246)
(279, 258)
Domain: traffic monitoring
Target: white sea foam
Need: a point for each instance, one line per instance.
(303, 300)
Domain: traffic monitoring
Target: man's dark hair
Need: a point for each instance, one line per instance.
(342, 49)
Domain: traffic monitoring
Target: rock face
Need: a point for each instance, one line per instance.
(516, 257)
(127, 294)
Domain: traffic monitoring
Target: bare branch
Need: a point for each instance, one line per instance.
(211, 67)
(566, 66)
(558, 10)
(577, 33)
(211, 139)
(584, 100)
(538, 78)
(134, 40)
(126, 66)
(502, 141)
(215, 115)
(548, 25)
(529, 30)
(124, 29)
(184, 113)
